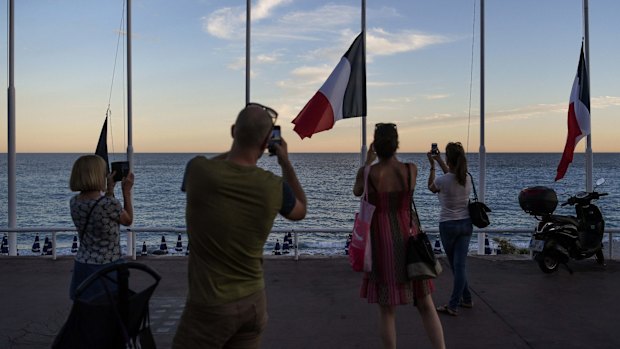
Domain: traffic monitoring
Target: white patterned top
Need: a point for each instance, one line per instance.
(100, 236)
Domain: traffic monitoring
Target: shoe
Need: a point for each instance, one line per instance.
(467, 305)
(444, 309)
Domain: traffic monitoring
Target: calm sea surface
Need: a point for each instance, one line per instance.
(43, 194)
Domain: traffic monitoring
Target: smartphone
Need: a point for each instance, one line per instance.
(276, 138)
(434, 149)
(122, 170)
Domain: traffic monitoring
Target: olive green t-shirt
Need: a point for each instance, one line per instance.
(229, 214)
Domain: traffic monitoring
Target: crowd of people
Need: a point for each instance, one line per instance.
(231, 204)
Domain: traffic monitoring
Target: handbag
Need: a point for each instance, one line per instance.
(360, 248)
(421, 261)
(477, 209)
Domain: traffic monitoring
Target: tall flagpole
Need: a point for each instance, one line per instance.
(131, 246)
(589, 157)
(364, 149)
(11, 149)
(248, 18)
(482, 151)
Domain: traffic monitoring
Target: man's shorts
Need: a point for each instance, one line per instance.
(238, 324)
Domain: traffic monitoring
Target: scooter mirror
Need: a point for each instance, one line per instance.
(600, 181)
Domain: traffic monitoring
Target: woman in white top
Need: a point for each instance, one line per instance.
(455, 228)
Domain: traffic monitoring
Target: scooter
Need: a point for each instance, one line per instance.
(557, 239)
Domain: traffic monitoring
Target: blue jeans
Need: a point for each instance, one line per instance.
(455, 237)
(81, 271)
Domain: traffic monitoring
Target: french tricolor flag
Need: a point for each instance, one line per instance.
(578, 115)
(342, 96)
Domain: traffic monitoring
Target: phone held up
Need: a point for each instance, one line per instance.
(276, 138)
(434, 149)
(122, 170)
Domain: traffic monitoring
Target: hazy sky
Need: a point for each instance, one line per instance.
(189, 71)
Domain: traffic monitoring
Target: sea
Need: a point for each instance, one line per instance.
(43, 194)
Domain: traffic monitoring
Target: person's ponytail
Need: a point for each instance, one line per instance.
(461, 169)
(457, 161)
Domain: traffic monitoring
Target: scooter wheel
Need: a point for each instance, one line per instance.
(547, 263)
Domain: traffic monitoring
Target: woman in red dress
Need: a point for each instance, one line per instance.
(390, 188)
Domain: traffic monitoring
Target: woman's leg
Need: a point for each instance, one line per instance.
(448, 234)
(447, 240)
(461, 247)
(467, 299)
(431, 322)
(387, 326)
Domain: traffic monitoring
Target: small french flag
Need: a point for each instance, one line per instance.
(342, 96)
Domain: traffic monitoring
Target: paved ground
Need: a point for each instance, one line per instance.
(313, 303)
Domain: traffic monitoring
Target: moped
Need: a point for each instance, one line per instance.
(557, 238)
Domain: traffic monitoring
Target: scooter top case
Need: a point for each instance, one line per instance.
(538, 200)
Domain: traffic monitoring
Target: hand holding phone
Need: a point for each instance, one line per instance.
(121, 168)
(434, 149)
(276, 138)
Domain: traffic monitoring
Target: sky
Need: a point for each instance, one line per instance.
(423, 71)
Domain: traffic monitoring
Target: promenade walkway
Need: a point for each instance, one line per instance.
(314, 303)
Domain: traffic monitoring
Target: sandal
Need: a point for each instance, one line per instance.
(444, 309)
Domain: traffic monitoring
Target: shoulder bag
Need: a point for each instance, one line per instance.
(477, 209)
(360, 249)
(421, 261)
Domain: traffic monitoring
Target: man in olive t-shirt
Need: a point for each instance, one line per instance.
(231, 206)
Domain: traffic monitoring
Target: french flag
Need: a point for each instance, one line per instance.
(578, 115)
(102, 144)
(342, 96)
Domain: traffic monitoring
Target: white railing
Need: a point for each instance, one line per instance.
(132, 232)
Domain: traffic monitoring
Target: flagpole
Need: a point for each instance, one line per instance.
(482, 150)
(364, 149)
(11, 149)
(248, 18)
(130, 243)
(589, 156)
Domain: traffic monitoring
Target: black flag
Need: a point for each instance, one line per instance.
(102, 145)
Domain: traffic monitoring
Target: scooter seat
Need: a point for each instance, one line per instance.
(565, 219)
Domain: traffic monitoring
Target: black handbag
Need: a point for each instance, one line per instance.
(477, 209)
(421, 261)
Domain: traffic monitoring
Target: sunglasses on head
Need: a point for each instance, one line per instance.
(381, 125)
(272, 113)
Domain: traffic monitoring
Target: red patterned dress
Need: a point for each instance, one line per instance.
(387, 283)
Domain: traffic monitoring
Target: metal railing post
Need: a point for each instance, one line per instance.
(296, 245)
(611, 245)
(54, 245)
(133, 247)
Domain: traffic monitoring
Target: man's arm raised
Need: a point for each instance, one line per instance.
(288, 174)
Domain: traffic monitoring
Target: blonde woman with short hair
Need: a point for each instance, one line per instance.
(97, 214)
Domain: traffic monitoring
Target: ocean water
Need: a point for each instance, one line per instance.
(43, 193)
